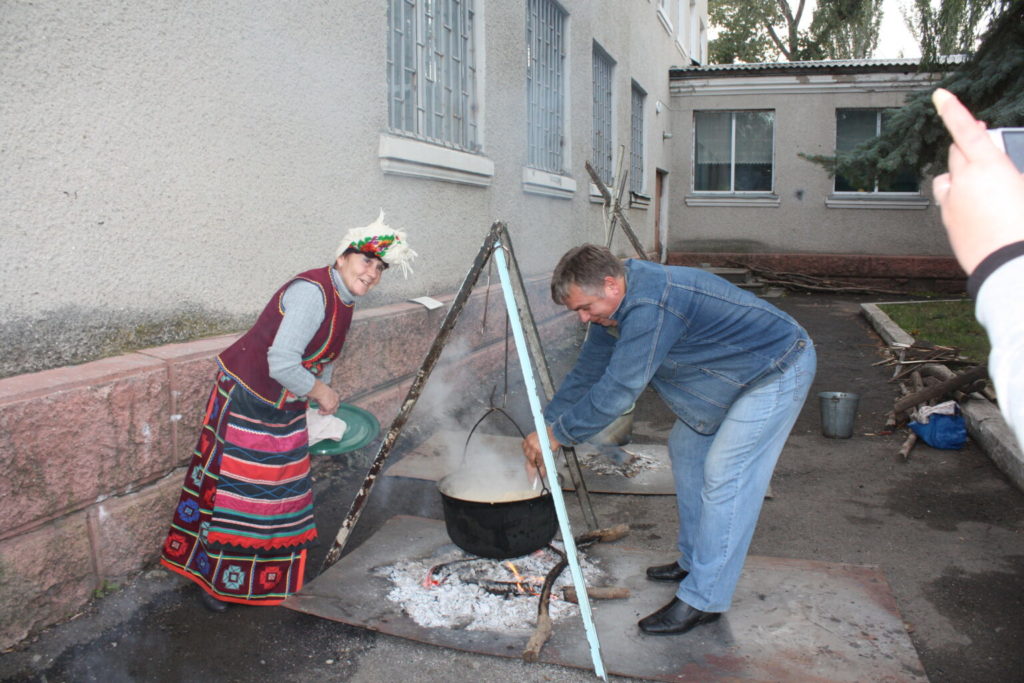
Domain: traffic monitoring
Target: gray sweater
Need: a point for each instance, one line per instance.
(303, 306)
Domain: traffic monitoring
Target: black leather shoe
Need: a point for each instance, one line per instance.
(667, 572)
(211, 603)
(676, 617)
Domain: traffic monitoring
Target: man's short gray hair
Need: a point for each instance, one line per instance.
(585, 266)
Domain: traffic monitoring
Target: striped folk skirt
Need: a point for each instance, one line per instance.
(245, 516)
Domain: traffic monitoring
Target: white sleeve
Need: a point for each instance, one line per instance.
(1000, 309)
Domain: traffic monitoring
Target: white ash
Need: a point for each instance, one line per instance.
(618, 460)
(459, 603)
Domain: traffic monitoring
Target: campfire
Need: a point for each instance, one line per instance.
(478, 571)
(453, 589)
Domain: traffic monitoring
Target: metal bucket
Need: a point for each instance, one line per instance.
(838, 409)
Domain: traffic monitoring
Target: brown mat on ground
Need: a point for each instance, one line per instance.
(790, 619)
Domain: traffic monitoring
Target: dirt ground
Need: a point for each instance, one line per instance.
(945, 528)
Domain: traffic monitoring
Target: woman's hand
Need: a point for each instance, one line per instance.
(326, 397)
(535, 456)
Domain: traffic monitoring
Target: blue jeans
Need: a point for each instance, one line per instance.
(721, 480)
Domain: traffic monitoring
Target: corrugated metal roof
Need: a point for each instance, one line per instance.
(838, 66)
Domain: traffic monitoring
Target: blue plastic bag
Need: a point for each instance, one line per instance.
(942, 431)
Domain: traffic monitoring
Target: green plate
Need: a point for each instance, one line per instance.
(361, 428)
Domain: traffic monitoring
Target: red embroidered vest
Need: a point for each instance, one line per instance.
(246, 359)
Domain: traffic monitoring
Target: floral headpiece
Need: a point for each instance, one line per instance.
(377, 239)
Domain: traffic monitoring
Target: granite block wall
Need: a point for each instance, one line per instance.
(95, 453)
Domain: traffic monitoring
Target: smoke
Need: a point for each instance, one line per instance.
(476, 435)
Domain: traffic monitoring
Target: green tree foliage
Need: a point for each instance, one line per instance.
(741, 36)
(949, 27)
(847, 29)
(990, 83)
(769, 30)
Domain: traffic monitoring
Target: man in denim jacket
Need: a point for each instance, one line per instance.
(734, 369)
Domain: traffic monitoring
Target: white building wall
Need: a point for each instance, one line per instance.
(157, 153)
(802, 214)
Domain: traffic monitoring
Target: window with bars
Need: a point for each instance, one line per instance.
(733, 151)
(855, 126)
(636, 139)
(432, 71)
(545, 85)
(602, 140)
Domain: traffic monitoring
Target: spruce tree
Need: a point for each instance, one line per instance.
(990, 83)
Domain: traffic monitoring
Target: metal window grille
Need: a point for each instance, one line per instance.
(602, 140)
(636, 140)
(733, 151)
(432, 71)
(545, 85)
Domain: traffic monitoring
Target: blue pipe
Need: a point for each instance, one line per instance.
(549, 463)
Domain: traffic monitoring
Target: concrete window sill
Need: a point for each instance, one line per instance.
(548, 184)
(420, 159)
(876, 201)
(734, 200)
(639, 201)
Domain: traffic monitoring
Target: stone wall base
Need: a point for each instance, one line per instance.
(95, 454)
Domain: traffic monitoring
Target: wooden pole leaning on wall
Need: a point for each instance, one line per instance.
(497, 232)
(616, 210)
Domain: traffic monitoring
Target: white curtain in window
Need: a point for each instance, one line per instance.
(753, 154)
(712, 151)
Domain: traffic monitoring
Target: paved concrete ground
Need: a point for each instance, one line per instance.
(945, 528)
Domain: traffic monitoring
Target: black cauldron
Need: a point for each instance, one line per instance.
(498, 530)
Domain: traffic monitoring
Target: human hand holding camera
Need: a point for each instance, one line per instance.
(982, 195)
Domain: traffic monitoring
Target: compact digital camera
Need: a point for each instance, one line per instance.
(1011, 141)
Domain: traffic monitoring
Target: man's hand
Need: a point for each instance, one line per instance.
(982, 195)
(534, 455)
(326, 397)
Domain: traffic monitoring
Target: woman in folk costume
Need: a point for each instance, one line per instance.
(245, 516)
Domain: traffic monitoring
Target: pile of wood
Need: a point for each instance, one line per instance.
(904, 360)
(809, 283)
(930, 383)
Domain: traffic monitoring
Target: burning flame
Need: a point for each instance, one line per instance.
(525, 584)
(517, 575)
(439, 574)
(429, 581)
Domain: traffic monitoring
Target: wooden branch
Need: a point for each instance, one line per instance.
(628, 230)
(601, 187)
(937, 370)
(616, 210)
(808, 282)
(940, 390)
(606, 535)
(540, 635)
(542, 631)
(907, 446)
(596, 593)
